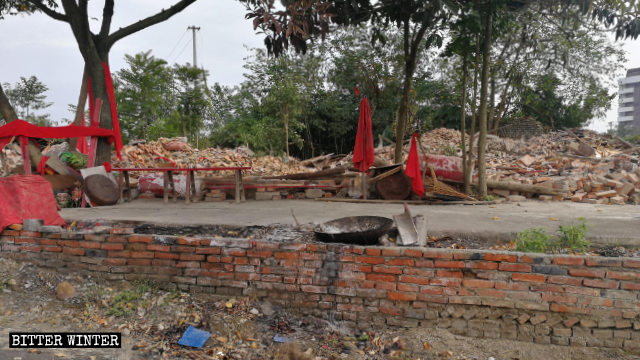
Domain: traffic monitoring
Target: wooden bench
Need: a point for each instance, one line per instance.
(191, 187)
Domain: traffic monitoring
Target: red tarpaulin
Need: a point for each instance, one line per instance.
(23, 128)
(413, 168)
(27, 197)
(363, 155)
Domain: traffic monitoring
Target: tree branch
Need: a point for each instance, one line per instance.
(151, 20)
(50, 12)
(107, 15)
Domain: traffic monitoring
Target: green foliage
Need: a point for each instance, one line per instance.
(141, 94)
(156, 100)
(534, 240)
(125, 302)
(27, 96)
(546, 103)
(571, 237)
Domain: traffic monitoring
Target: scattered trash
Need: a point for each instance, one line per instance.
(194, 337)
(282, 339)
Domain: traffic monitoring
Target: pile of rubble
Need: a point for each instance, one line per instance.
(176, 152)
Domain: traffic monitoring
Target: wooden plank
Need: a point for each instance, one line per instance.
(411, 202)
(192, 189)
(165, 186)
(172, 184)
(187, 195)
(313, 175)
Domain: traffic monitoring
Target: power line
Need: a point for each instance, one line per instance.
(177, 43)
(181, 51)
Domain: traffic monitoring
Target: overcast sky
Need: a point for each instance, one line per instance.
(38, 45)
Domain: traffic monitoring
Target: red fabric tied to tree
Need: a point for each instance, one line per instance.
(413, 168)
(82, 144)
(112, 103)
(363, 154)
(27, 197)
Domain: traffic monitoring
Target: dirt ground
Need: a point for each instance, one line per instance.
(152, 320)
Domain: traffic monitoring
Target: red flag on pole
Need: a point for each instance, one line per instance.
(363, 153)
(413, 168)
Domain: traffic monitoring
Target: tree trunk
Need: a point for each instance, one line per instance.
(6, 110)
(286, 135)
(486, 58)
(411, 50)
(472, 132)
(463, 114)
(82, 100)
(492, 102)
(503, 105)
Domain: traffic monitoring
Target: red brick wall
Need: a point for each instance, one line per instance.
(530, 297)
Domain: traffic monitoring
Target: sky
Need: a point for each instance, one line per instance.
(38, 45)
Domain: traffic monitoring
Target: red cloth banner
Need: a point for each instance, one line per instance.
(413, 168)
(363, 153)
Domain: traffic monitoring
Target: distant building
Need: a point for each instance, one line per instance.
(629, 103)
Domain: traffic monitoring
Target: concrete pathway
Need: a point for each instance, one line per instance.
(613, 224)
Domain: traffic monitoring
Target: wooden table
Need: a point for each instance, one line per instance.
(191, 187)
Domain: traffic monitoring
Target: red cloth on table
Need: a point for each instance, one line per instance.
(27, 197)
(23, 128)
(413, 168)
(363, 154)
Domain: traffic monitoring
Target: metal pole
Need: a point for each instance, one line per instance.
(193, 30)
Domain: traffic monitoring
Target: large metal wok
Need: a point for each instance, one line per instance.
(361, 230)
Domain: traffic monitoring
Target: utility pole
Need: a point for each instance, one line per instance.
(193, 30)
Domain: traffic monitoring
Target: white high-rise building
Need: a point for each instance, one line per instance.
(629, 102)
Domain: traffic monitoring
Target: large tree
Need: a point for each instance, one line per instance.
(94, 47)
(420, 22)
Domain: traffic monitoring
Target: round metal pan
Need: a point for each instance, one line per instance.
(360, 230)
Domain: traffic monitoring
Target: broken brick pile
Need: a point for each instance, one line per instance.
(559, 299)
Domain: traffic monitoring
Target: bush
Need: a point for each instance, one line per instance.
(534, 240)
(573, 237)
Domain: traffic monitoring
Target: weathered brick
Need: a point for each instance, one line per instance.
(158, 247)
(381, 277)
(450, 264)
(474, 283)
(528, 277)
(515, 267)
(596, 261)
(142, 254)
(73, 251)
(623, 275)
(166, 255)
(501, 257)
(605, 284)
(412, 253)
(140, 239)
(191, 257)
(483, 265)
(567, 260)
(369, 260)
(314, 289)
(414, 279)
(449, 274)
(400, 296)
(587, 273)
(400, 262)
